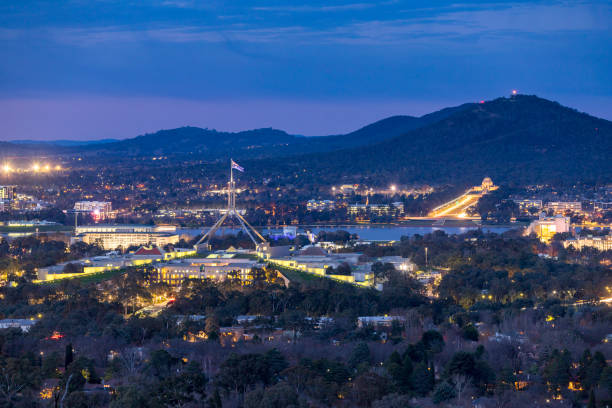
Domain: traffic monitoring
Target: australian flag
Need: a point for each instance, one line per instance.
(237, 167)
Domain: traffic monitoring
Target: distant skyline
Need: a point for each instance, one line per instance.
(117, 69)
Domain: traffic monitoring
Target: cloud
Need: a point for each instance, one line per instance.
(416, 25)
(310, 8)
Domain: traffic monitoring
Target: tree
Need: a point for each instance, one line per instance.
(16, 377)
(73, 268)
(469, 332)
(422, 379)
(606, 379)
(433, 341)
(176, 390)
(557, 370)
(215, 400)
(212, 327)
(68, 355)
(240, 372)
(278, 396)
(359, 355)
(400, 370)
(462, 363)
(443, 392)
(369, 387)
(392, 401)
(461, 383)
(592, 403)
(160, 363)
(275, 363)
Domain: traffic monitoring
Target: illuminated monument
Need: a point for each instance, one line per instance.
(231, 212)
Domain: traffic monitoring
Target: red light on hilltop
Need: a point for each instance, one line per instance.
(481, 101)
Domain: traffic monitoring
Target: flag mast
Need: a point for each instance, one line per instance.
(231, 212)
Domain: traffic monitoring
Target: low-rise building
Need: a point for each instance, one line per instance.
(320, 205)
(379, 321)
(399, 263)
(111, 237)
(217, 269)
(602, 205)
(316, 261)
(24, 324)
(376, 209)
(526, 204)
(561, 207)
(109, 262)
(600, 243)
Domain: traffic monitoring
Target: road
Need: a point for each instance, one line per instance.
(457, 207)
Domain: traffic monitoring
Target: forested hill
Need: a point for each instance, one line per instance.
(258, 143)
(517, 139)
(194, 141)
(521, 139)
(210, 144)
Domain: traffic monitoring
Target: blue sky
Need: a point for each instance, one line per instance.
(86, 69)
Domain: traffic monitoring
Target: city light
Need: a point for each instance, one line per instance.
(393, 187)
(34, 167)
(514, 92)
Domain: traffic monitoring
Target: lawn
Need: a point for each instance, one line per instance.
(91, 278)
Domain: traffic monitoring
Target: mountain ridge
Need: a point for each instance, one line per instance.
(503, 138)
(522, 138)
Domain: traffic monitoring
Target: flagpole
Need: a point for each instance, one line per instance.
(231, 187)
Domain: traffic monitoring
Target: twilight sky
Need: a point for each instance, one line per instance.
(89, 69)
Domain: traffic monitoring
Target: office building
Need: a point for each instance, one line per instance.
(602, 206)
(110, 236)
(99, 210)
(7, 192)
(561, 207)
(546, 227)
(600, 243)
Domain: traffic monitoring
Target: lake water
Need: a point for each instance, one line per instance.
(365, 232)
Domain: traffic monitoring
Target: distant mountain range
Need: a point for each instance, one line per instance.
(63, 142)
(212, 144)
(521, 138)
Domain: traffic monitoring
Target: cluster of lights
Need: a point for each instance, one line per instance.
(36, 168)
(392, 187)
